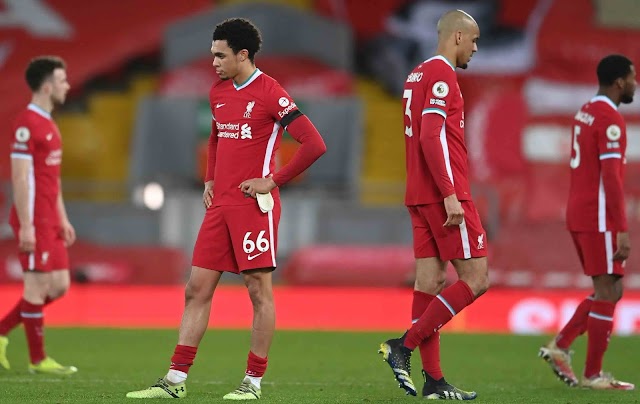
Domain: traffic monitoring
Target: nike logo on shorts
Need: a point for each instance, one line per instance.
(251, 257)
(220, 105)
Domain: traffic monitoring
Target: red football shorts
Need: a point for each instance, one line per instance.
(432, 239)
(237, 238)
(50, 253)
(596, 251)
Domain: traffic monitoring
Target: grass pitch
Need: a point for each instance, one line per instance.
(304, 367)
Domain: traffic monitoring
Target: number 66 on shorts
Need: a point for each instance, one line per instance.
(237, 238)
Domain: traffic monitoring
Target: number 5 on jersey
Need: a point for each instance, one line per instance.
(575, 160)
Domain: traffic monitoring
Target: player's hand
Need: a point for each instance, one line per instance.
(68, 233)
(207, 196)
(624, 247)
(257, 186)
(455, 213)
(27, 238)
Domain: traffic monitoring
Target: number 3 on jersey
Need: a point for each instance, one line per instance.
(575, 160)
(408, 130)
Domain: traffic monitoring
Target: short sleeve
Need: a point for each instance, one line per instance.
(610, 138)
(23, 143)
(441, 84)
(281, 106)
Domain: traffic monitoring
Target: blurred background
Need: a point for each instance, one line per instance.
(137, 120)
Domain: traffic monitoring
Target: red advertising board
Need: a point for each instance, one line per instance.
(516, 311)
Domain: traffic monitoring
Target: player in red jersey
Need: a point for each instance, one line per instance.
(38, 216)
(596, 218)
(250, 110)
(446, 224)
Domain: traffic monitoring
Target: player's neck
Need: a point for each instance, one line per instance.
(615, 98)
(449, 55)
(244, 75)
(43, 102)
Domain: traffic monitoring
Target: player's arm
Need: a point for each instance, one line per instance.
(68, 232)
(21, 167)
(212, 149)
(438, 98)
(284, 110)
(612, 182)
(434, 155)
(311, 147)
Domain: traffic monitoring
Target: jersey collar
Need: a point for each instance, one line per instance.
(256, 73)
(33, 107)
(606, 99)
(440, 57)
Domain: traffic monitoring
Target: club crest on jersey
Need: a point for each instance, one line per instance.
(440, 89)
(613, 132)
(23, 134)
(247, 113)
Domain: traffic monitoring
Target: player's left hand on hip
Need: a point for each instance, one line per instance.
(257, 186)
(455, 212)
(68, 234)
(624, 246)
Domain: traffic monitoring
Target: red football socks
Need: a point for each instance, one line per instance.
(429, 348)
(441, 309)
(599, 327)
(183, 357)
(33, 319)
(256, 366)
(576, 326)
(13, 317)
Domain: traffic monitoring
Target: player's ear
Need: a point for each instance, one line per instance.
(458, 37)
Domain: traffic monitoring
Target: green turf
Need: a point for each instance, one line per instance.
(305, 367)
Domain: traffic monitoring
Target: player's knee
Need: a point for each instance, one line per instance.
(57, 289)
(197, 292)
(57, 292)
(612, 295)
(479, 284)
(259, 294)
(432, 286)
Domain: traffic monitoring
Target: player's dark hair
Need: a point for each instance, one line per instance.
(240, 34)
(613, 67)
(41, 69)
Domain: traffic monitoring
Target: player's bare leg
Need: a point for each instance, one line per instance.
(195, 319)
(475, 273)
(197, 305)
(260, 287)
(59, 285)
(608, 291)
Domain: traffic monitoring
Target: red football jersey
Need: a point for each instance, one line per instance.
(599, 133)
(432, 88)
(247, 126)
(37, 138)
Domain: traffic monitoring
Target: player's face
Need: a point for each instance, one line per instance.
(629, 88)
(58, 86)
(468, 44)
(225, 61)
